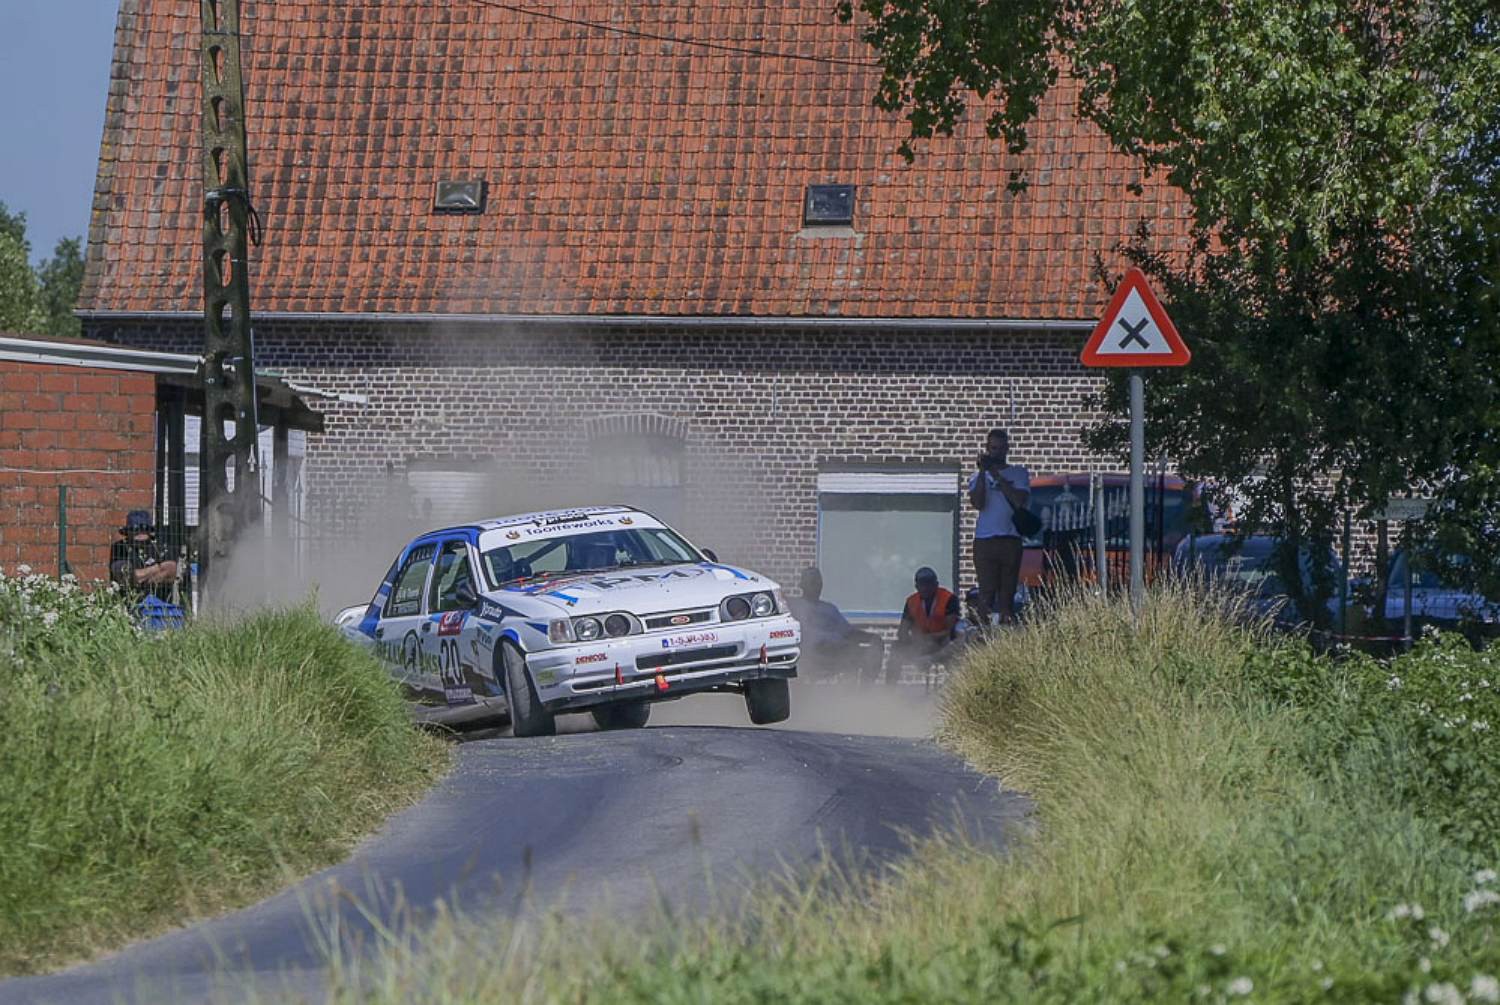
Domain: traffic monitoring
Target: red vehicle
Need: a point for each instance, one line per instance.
(1062, 501)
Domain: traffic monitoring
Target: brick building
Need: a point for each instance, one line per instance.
(694, 279)
(75, 439)
(90, 431)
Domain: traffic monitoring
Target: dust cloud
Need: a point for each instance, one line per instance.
(908, 710)
(341, 567)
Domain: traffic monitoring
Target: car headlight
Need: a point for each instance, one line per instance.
(737, 608)
(762, 605)
(560, 630)
(616, 625)
(587, 629)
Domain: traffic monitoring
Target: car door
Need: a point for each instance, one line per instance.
(404, 636)
(462, 666)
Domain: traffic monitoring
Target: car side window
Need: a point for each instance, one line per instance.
(406, 598)
(452, 573)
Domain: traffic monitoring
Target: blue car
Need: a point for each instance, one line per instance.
(1437, 599)
(1246, 562)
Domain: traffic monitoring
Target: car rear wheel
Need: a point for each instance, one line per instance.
(527, 716)
(768, 701)
(632, 715)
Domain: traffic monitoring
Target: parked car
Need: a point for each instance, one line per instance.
(601, 609)
(1246, 562)
(1438, 599)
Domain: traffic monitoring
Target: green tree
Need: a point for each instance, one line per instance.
(20, 306)
(59, 279)
(1340, 159)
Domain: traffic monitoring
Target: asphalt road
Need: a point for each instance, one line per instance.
(570, 822)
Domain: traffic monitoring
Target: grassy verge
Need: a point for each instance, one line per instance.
(146, 779)
(1221, 817)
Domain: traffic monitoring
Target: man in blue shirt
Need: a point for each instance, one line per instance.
(997, 490)
(829, 641)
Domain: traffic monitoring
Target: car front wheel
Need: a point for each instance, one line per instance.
(768, 701)
(527, 716)
(632, 715)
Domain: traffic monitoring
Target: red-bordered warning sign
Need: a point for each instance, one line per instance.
(1135, 330)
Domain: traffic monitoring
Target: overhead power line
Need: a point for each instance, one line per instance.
(657, 37)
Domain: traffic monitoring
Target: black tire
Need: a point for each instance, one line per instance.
(631, 715)
(768, 701)
(527, 716)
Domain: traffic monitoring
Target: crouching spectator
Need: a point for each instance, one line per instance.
(928, 621)
(829, 642)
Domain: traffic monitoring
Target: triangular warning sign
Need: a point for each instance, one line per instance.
(1135, 330)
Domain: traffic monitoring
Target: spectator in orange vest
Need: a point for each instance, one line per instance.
(928, 619)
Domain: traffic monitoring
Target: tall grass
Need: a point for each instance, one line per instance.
(145, 779)
(1215, 822)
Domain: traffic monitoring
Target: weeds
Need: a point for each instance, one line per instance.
(1223, 816)
(149, 778)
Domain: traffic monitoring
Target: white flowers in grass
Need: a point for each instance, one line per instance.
(1438, 936)
(1484, 876)
(1478, 900)
(1443, 993)
(1403, 911)
(1393, 683)
(1239, 987)
(1484, 988)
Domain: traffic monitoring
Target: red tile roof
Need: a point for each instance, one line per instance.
(626, 175)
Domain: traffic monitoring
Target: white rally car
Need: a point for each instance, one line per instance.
(604, 609)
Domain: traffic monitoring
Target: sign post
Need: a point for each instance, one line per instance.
(1135, 332)
(1406, 512)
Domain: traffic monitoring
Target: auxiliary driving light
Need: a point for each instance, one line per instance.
(738, 608)
(762, 606)
(616, 625)
(588, 629)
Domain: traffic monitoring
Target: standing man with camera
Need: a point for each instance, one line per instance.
(997, 490)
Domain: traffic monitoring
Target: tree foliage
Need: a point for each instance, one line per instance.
(37, 301)
(1341, 161)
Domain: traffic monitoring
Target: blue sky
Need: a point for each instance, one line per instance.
(54, 76)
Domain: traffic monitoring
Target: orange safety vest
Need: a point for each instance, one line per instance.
(934, 623)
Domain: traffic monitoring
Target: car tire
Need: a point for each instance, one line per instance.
(631, 715)
(527, 716)
(768, 701)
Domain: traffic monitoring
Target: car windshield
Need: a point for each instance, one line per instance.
(592, 552)
(1431, 572)
(1248, 562)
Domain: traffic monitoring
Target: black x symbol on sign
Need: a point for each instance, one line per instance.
(1133, 333)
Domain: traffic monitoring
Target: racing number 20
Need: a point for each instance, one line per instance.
(448, 659)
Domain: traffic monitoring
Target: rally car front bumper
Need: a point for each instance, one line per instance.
(660, 666)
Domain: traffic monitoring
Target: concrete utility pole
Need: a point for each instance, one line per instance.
(228, 347)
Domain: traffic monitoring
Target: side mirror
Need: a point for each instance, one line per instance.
(465, 595)
(708, 553)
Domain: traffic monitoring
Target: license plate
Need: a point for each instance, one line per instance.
(691, 639)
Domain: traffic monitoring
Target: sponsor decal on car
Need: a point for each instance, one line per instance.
(592, 658)
(547, 677)
(452, 623)
(491, 611)
(682, 619)
(693, 639)
(783, 633)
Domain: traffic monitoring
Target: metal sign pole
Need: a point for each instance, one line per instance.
(1101, 540)
(1137, 490)
(1406, 587)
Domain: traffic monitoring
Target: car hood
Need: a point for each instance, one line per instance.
(639, 591)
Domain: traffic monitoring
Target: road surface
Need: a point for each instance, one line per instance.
(570, 822)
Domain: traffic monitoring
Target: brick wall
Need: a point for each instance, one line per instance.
(759, 413)
(89, 429)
